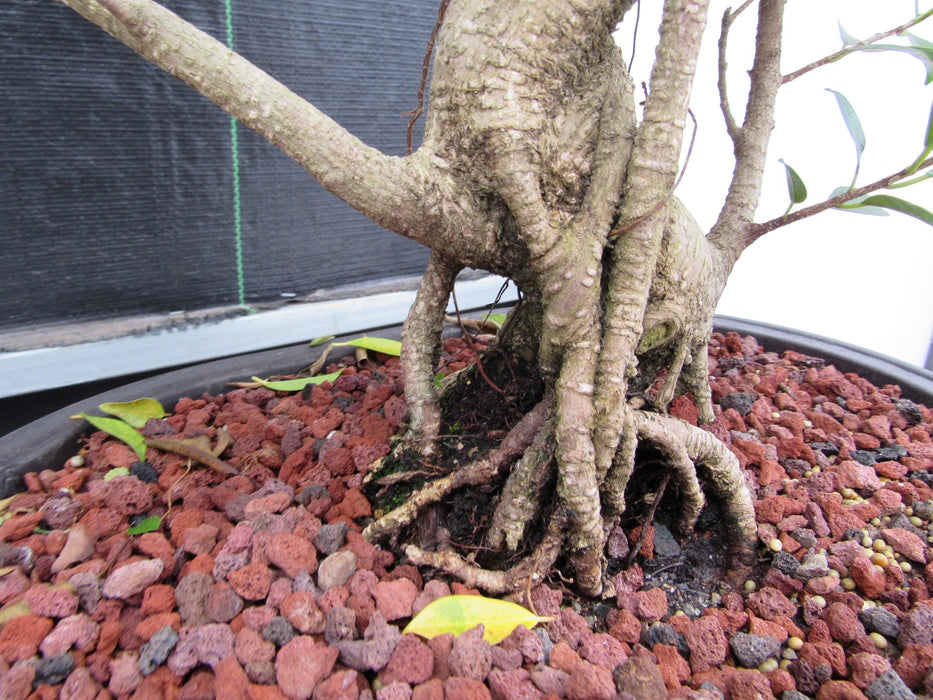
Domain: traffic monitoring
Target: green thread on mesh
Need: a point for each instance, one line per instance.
(235, 156)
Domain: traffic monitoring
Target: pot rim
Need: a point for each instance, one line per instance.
(47, 442)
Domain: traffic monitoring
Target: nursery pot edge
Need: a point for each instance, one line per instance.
(47, 442)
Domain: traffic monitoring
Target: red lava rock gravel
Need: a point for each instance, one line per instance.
(259, 586)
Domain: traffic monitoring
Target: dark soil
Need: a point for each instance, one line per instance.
(260, 586)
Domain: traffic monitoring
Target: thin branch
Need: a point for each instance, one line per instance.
(852, 48)
(756, 231)
(751, 146)
(728, 17)
(417, 111)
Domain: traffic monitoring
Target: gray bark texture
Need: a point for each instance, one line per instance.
(537, 165)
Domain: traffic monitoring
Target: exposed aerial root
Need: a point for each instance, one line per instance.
(421, 344)
(682, 446)
(683, 470)
(524, 575)
(522, 495)
(473, 474)
(678, 439)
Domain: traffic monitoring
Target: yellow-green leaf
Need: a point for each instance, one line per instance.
(115, 472)
(384, 345)
(120, 430)
(137, 412)
(458, 613)
(297, 384)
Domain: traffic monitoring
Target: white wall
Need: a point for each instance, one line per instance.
(861, 279)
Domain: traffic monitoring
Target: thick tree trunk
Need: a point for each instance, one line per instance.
(535, 165)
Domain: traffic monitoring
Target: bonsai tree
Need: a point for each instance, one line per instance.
(538, 165)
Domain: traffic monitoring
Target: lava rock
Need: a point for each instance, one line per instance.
(889, 686)
(740, 401)
(881, 621)
(916, 627)
(191, 596)
(662, 633)
(909, 410)
(785, 563)
(336, 569)
(145, 472)
(339, 625)
(890, 453)
(814, 565)
(827, 448)
(153, 653)
(752, 650)
(330, 537)
(372, 652)
(54, 669)
(280, 631)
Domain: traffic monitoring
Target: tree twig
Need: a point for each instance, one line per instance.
(728, 17)
(852, 48)
(649, 518)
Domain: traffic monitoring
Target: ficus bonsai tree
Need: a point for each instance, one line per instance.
(538, 165)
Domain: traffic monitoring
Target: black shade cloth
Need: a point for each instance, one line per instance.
(117, 181)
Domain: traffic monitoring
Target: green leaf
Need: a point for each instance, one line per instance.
(115, 472)
(383, 345)
(927, 146)
(120, 430)
(496, 318)
(928, 140)
(847, 39)
(854, 125)
(886, 201)
(917, 41)
(458, 613)
(137, 412)
(320, 340)
(921, 50)
(297, 384)
(796, 190)
(150, 524)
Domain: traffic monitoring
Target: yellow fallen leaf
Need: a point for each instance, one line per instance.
(458, 613)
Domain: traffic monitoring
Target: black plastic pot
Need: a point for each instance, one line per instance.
(46, 443)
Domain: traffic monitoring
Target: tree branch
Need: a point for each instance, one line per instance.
(852, 48)
(728, 17)
(751, 144)
(756, 231)
(390, 191)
